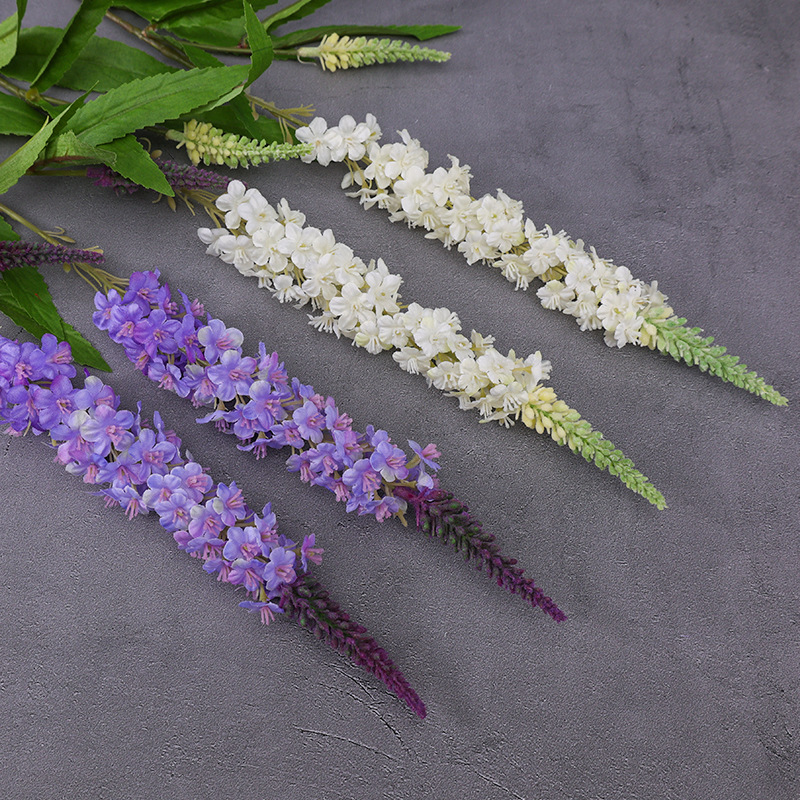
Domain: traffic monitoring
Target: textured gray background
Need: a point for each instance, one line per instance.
(665, 134)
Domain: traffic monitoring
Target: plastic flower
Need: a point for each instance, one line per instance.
(599, 294)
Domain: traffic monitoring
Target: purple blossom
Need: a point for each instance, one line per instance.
(229, 503)
(361, 477)
(175, 513)
(243, 543)
(249, 574)
(108, 428)
(54, 404)
(280, 568)
(267, 609)
(216, 339)
(308, 551)
(309, 422)
(156, 333)
(264, 405)
(390, 461)
(232, 375)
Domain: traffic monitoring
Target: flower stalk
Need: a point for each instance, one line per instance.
(599, 294)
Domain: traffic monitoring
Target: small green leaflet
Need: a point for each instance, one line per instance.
(17, 117)
(25, 298)
(158, 11)
(102, 65)
(150, 101)
(80, 30)
(419, 32)
(68, 147)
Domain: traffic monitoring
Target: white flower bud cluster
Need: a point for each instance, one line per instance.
(492, 230)
(361, 302)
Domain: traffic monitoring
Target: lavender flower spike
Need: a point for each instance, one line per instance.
(22, 254)
(142, 469)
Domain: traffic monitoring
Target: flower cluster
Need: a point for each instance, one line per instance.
(142, 469)
(204, 142)
(437, 512)
(255, 400)
(306, 266)
(343, 52)
(493, 230)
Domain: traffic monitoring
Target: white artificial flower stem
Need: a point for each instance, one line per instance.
(492, 230)
(305, 266)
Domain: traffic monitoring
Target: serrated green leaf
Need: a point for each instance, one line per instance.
(259, 42)
(296, 10)
(102, 65)
(17, 164)
(25, 298)
(133, 162)
(67, 146)
(17, 117)
(420, 32)
(7, 233)
(150, 101)
(74, 38)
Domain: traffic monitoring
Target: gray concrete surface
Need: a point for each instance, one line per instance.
(666, 135)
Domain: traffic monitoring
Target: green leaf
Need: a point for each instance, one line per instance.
(17, 164)
(297, 10)
(68, 147)
(7, 233)
(199, 57)
(150, 101)
(102, 65)
(133, 162)
(420, 32)
(259, 42)
(25, 298)
(9, 33)
(17, 117)
(81, 28)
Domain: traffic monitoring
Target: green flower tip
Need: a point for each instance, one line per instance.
(674, 338)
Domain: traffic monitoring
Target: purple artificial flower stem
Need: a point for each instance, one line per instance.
(307, 602)
(142, 470)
